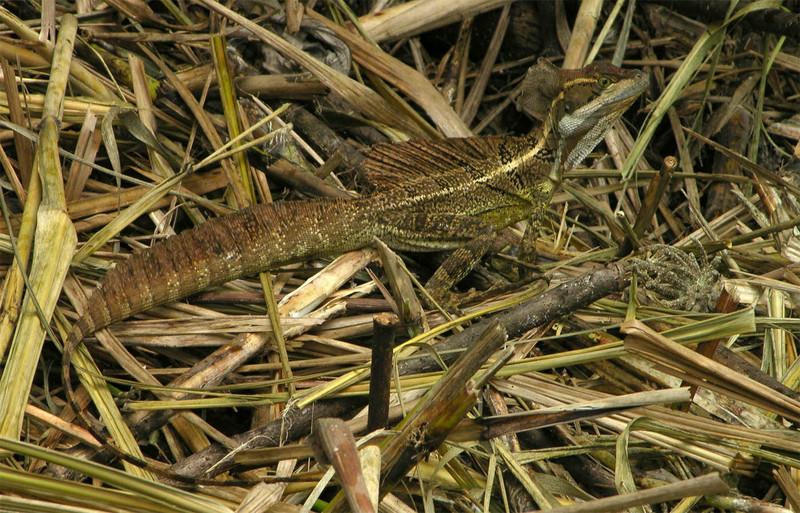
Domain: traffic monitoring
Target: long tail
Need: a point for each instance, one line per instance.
(223, 249)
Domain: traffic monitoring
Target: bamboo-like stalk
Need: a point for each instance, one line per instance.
(709, 484)
(702, 370)
(13, 285)
(410, 18)
(54, 242)
(404, 77)
(151, 492)
(585, 23)
(471, 104)
(83, 78)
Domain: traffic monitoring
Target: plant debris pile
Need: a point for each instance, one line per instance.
(648, 359)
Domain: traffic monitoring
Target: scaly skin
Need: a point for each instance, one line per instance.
(436, 195)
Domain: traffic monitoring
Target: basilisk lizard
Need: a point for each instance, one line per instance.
(430, 196)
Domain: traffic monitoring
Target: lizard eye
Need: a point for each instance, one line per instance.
(568, 107)
(604, 82)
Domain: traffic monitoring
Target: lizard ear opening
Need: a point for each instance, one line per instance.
(539, 88)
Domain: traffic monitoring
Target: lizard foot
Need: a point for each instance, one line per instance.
(677, 280)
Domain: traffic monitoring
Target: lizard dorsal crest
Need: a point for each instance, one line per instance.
(392, 165)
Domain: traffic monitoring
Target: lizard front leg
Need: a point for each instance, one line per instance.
(470, 236)
(527, 246)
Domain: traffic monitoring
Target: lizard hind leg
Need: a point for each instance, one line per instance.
(456, 267)
(527, 246)
(470, 236)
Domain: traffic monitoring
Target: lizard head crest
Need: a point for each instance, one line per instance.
(577, 107)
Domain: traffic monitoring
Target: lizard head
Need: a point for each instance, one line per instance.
(577, 107)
